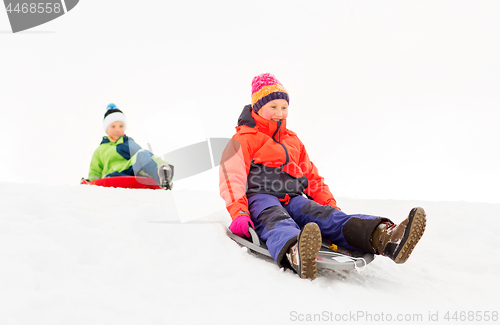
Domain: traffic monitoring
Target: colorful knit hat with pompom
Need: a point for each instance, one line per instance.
(113, 114)
(265, 88)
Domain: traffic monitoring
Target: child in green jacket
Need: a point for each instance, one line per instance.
(120, 155)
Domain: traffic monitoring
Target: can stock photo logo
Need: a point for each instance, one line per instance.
(25, 14)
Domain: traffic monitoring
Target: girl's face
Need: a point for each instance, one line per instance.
(275, 110)
(116, 130)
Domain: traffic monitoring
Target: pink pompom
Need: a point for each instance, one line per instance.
(262, 80)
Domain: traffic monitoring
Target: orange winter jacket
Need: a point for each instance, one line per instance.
(264, 157)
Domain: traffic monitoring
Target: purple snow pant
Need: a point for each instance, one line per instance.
(279, 225)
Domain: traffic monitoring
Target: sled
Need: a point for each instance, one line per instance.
(330, 256)
(124, 182)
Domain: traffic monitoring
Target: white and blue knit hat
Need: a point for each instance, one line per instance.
(113, 114)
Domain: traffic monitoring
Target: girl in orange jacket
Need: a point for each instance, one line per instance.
(269, 183)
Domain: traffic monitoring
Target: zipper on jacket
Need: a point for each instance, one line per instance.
(278, 131)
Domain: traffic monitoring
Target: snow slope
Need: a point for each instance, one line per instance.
(90, 255)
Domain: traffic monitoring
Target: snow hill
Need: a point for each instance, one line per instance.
(91, 255)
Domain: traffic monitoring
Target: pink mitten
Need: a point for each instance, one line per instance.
(239, 226)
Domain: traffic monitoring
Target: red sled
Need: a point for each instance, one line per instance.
(125, 182)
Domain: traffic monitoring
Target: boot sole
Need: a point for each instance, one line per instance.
(309, 246)
(414, 231)
(163, 175)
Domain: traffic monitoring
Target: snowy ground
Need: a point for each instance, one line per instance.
(91, 255)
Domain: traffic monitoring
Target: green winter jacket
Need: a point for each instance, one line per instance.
(116, 156)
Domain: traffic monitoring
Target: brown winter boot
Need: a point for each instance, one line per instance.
(398, 241)
(302, 255)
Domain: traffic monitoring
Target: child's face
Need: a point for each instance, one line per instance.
(275, 110)
(116, 130)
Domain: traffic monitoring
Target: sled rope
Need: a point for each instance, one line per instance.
(356, 267)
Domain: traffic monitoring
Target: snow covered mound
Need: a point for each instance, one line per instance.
(92, 255)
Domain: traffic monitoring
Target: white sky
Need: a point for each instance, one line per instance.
(393, 99)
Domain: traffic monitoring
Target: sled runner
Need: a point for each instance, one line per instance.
(124, 182)
(330, 256)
